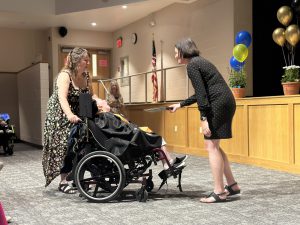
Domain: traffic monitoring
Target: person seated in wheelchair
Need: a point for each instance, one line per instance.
(7, 134)
(4, 124)
(120, 137)
(107, 152)
(124, 135)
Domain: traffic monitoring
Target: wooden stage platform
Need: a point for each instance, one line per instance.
(266, 131)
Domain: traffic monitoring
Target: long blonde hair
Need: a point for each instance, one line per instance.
(116, 84)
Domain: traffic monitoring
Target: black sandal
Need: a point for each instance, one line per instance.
(66, 188)
(216, 197)
(231, 191)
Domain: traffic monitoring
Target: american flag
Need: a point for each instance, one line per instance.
(154, 75)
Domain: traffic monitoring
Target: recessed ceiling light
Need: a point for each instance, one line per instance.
(124, 6)
(93, 24)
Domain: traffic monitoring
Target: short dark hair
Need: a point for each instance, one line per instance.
(187, 48)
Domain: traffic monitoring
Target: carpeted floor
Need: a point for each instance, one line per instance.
(268, 197)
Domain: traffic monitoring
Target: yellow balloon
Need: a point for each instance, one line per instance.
(285, 15)
(279, 36)
(240, 52)
(292, 34)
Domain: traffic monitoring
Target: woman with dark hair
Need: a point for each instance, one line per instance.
(62, 112)
(217, 107)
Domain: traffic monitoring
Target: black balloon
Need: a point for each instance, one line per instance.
(296, 6)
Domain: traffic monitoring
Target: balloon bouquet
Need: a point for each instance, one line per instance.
(237, 77)
(288, 37)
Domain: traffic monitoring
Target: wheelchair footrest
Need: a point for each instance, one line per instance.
(165, 174)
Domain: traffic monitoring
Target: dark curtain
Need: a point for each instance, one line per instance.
(267, 55)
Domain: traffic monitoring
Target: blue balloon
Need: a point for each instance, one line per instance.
(243, 37)
(236, 65)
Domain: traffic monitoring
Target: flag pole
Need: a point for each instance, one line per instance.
(154, 75)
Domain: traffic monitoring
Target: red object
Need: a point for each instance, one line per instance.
(2, 216)
(103, 63)
(154, 75)
(119, 42)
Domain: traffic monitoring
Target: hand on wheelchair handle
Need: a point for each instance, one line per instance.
(74, 119)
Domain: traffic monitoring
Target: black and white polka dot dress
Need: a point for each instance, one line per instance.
(213, 96)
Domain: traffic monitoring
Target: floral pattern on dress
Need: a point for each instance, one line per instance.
(115, 103)
(56, 132)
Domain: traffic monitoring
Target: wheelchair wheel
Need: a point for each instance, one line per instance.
(149, 184)
(100, 176)
(8, 147)
(9, 150)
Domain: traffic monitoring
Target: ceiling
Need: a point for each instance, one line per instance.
(77, 14)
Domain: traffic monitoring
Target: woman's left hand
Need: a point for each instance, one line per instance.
(205, 128)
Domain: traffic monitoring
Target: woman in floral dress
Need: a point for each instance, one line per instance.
(62, 112)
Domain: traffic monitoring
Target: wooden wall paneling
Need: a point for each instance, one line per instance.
(238, 144)
(63, 58)
(194, 134)
(98, 89)
(136, 116)
(103, 71)
(95, 87)
(297, 134)
(291, 133)
(268, 132)
(175, 128)
(154, 120)
(103, 65)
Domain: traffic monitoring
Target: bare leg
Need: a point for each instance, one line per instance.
(63, 178)
(169, 158)
(166, 152)
(216, 162)
(227, 171)
(64, 186)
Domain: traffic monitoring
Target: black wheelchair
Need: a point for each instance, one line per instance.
(7, 134)
(110, 153)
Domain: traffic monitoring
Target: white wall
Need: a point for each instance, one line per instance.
(20, 48)
(169, 27)
(33, 86)
(9, 98)
(212, 24)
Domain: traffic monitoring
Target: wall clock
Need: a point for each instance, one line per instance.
(133, 38)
